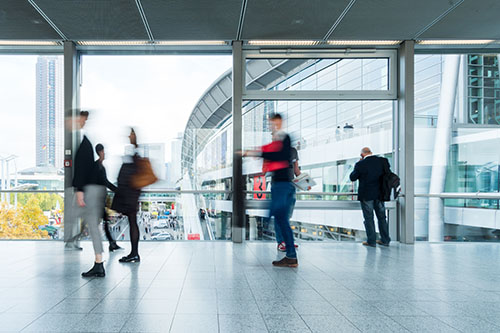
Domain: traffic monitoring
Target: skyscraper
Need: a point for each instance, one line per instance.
(49, 112)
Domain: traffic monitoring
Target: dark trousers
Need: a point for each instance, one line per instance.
(281, 201)
(368, 207)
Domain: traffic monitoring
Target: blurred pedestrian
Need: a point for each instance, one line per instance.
(126, 200)
(103, 180)
(277, 157)
(90, 196)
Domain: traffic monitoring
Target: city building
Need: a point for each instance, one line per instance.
(49, 112)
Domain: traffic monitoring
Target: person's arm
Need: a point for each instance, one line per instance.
(108, 184)
(296, 169)
(355, 173)
(282, 155)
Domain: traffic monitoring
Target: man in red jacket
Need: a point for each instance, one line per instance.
(282, 191)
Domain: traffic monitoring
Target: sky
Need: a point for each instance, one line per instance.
(154, 94)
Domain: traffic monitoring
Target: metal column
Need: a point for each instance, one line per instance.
(405, 144)
(71, 104)
(238, 218)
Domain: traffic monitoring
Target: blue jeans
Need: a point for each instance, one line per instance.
(279, 237)
(368, 206)
(282, 194)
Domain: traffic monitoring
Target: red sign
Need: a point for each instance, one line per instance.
(259, 184)
(193, 236)
(67, 163)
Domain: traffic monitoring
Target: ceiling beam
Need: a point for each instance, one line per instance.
(339, 19)
(47, 19)
(242, 19)
(144, 20)
(437, 19)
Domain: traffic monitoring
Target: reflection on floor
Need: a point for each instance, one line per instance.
(225, 287)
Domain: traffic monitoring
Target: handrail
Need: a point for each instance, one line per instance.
(457, 195)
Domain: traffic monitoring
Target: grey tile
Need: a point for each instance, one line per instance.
(195, 323)
(285, 323)
(276, 307)
(148, 323)
(16, 321)
(115, 306)
(241, 323)
(325, 324)
(75, 305)
(423, 324)
(469, 324)
(314, 308)
(237, 307)
(153, 306)
(55, 323)
(360, 308)
(378, 323)
(399, 308)
(101, 323)
(201, 306)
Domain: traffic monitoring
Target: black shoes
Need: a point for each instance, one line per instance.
(379, 242)
(286, 262)
(130, 258)
(114, 247)
(368, 244)
(96, 271)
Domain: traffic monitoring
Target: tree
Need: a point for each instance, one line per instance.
(23, 222)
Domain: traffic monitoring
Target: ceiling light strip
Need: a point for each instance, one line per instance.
(437, 19)
(46, 18)
(284, 42)
(339, 19)
(144, 19)
(112, 43)
(28, 42)
(456, 42)
(363, 42)
(190, 42)
(242, 19)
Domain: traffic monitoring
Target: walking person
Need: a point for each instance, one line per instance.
(90, 196)
(278, 157)
(103, 180)
(294, 171)
(126, 200)
(369, 171)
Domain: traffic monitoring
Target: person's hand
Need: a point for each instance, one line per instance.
(79, 199)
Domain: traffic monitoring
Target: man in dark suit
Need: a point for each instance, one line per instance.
(89, 200)
(369, 171)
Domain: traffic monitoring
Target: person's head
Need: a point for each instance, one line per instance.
(99, 149)
(82, 119)
(132, 137)
(366, 152)
(276, 122)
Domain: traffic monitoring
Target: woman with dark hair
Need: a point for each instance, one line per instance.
(126, 200)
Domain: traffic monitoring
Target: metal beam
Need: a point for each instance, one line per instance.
(405, 150)
(71, 104)
(238, 218)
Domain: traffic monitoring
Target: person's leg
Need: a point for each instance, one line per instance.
(134, 234)
(72, 227)
(272, 210)
(282, 213)
(109, 237)
(367, 207)
(383, 226)
(94, 204)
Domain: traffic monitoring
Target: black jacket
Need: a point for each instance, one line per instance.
(84, 165)
(126, 199)
(369, 172)
(102, 178)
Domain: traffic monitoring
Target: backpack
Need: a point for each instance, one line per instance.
(390, 183)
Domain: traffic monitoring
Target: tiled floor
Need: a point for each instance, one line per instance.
(225, 287)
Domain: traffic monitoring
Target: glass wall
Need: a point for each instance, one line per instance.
(166, 101)
(31, 146)
(472, 159)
